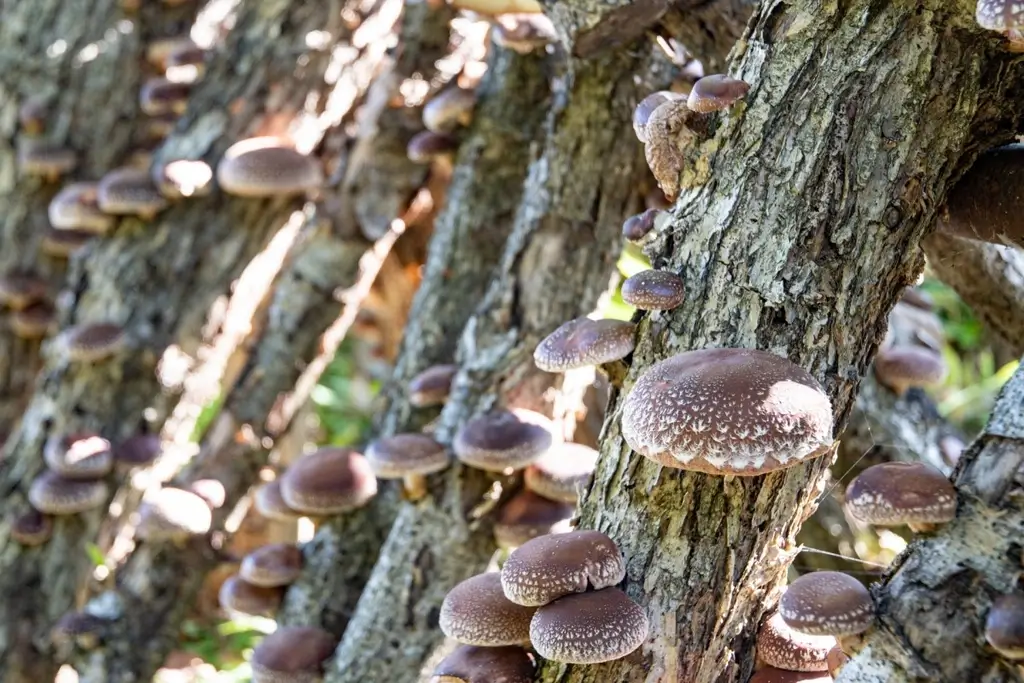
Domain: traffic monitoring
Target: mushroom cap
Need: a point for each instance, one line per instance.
(999, 15)
(646, 107)
(900, 367)
(501, 439)
(472, 664)
(277, 564)
(427, 145)
(18, 290)
(270, 503)
(159, 96)
(583, 342)
(138, 450)
(267, 167)
(716, 92)
(770, 674)
(727, 411)
(238, 595)
(588, 628)
(1004, 626)
(63, 243)
(562, 472)
(526, 516)
(75, 208)
(653, 290)
(328, 481)
(549, 567)
(90, 342)
(523, 33)
(827, 603)
(42, 158)
(79, 628)
(292, 654)
(34, 321)
(173, 514)
(183, 178)
(32, 528)
(84, 455)
(635, 228)
(431, 387)
(986, 202)
(53, 494)
(129, 191)
(449, 109)
(394, 457)
(779, 645)
(476, 612)
(897, 493)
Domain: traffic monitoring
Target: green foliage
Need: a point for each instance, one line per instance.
(340, 400)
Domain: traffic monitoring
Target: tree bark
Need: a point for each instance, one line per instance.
(819, 188)
(959, 570)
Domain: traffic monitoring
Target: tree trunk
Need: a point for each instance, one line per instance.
(821, 185)
(959, 570)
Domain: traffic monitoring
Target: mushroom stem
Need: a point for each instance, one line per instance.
(415, 486)
(922, 527)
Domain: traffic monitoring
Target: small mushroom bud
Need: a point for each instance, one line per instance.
(476, 612)
(501, 440)
(160, 96)
(267, 167)
(52, 494)
(75, 207)
(130, 191)
(827, 603)
(448, 110)
(637, 227)
(472, 664)
(32, 528)
(715, 93)
(1004, 626)
(93, 342)
(33, 322)
(410, 457)
(902, 367)
(431, 387)
(653, 290)
(589, 628)
(292, 654)
(84, 455)
(239, 596)
(897, 493)
(550, 567)
(427, 146)
(583, 342)
(329, 481)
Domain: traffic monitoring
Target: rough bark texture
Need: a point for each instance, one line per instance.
(554, 267)
(956, 572)
(708, 30)
(988, 277)
(819, 189)
(158, 280)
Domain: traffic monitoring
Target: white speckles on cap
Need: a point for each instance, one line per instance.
(827, 603)
(582, 342)
(549, 567)
(476, 612)
(727, 411)
(587, 628)
(779, 645)
(897, 493)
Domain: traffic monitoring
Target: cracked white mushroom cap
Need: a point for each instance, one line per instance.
(781, 646)
(84, 455)
(588, 628)
(328, 482)
(292, 654)
(583, 342)
(277, 564)
(267, 167)
(562, 472)
(502, 439)
(53, 494)
(476, 612)
(473, 664)
(550, 567)
(727, 411)
(827, 603)
(897, 493)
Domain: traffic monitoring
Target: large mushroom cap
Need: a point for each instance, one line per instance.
(278, 564)
(501, 439)
(588, 628)
(781, 646)
(476, 612)
(582, 342)
(394, 457)
(827, 604)
(328, 481)
(897, 493)
(727, 411)
(1004, 626)
(549, 567)
(999, 15)
(562, 472)
(472, 664)
(238, 595)
(53, 494)
(78, 456)
(292, 654)
(526, 516)
(267, 167)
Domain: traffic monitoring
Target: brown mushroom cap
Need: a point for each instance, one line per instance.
(986, 202)
(449, 109)
(183, 178)
(902, 367)
(328, 482)
(897, 493)
(238, 595)
(779, 645)
(292, 654)
(52, 494)
(653, 290)
(19, 290)
(278, 564)
(270, 503)
(431, 387)
(562, 472)
(34, 321)
(75, 208)
(716, 92)
(583, 342)
(588, 628)
(727, 411)
(476, 612)
(32, 528)
(79, 629)
(38, 157)
(394, 457)
(770, 674)
(173, 514)
(160, 96)
(500, 440)
(550, 567)
(267, 167)
(129, 191)
(1004, 626)
(91, 342)
(526, 516)
(426, 146)
(472, 664)
(84, 455)
(63, 243)
(827, 603)
(138, 450)
(635, 228)
(646, 107)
